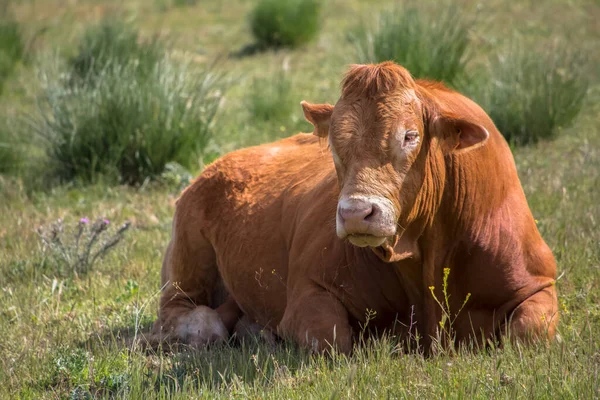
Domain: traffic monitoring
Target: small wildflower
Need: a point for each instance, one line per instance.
(106, 222)
(84, 221)
(536, 221)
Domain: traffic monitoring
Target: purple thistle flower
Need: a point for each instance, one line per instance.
(84, 221)
(106, 222)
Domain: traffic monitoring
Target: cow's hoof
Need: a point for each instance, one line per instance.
(200, 327)
(246, 329)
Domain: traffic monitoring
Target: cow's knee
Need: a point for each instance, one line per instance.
(201, 326)
(536, 318)
(197, 327)
(319, 322)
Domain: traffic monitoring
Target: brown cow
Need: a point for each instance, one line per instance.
(421, 186)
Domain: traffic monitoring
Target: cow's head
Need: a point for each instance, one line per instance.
(384, 136)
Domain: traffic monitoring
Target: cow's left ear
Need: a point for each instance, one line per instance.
(319, 116)
(461, 135)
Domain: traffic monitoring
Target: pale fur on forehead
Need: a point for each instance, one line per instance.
(375, 80)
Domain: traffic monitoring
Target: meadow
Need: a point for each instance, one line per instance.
(75, 329)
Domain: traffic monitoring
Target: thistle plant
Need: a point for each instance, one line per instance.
(76, 248)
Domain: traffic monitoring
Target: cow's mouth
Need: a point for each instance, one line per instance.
(361, 240)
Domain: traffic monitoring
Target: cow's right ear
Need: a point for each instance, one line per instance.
(319, 116)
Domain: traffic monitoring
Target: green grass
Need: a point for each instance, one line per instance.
(68, 336)
(11, 152)
(288, 23)
(532, 94)
(113, 44)
(270, 99)
(430, 43)
(12, 46)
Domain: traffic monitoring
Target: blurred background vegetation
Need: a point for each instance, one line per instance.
(116, 100)
(109, 108)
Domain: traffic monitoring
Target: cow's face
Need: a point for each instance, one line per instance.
(375, 143)
(380, 145)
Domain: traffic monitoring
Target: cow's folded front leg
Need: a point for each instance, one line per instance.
(317, 320)
(535, 318)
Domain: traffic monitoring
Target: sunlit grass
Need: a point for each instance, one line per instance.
(74, 335)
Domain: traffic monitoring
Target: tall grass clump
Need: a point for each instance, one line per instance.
(113, 42)
(290, 23)
(126, 126)
(271, 99)
(121, 110)
(11, 45)
(430, 44)
(531, 94)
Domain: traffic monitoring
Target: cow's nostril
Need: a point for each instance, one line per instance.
(373, 214)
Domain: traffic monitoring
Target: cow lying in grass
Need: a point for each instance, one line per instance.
(421, 196)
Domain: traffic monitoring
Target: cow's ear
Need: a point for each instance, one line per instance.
(319, 116)
(461, 135)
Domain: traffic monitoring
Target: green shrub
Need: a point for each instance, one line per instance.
(430, 44)
(184, 3)
(113, 42)
(531, 94)
(11, 47)
(125, 126)
(276, 23)
(271, 99)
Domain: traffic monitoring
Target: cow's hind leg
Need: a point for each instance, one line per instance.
(536, 318)
(192, 289)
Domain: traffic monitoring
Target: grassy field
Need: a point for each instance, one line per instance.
(75, 335)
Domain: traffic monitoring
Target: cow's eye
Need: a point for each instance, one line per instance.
(411, 137)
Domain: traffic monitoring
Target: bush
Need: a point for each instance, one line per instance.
(11, 47)
(113, 42)
(276, 23)
(531, 94)
(184, 3)
(271, 99)
(125, 126)
(431, 44)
